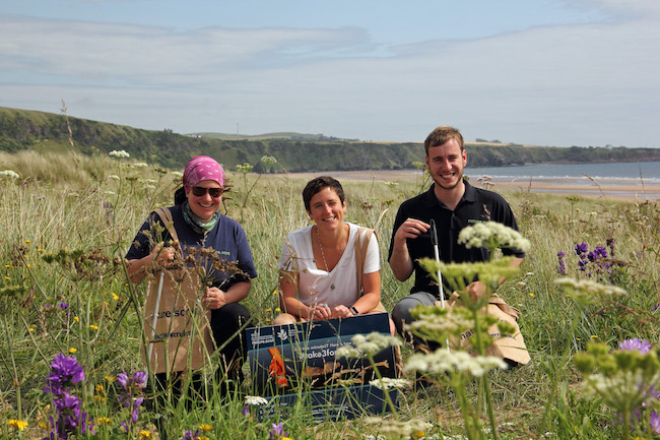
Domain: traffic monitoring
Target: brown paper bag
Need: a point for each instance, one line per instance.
(176, 323)
(180, 337)
(510, 347)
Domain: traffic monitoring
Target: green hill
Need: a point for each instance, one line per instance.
(295, 152)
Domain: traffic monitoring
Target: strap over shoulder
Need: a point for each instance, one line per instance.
(165, 216)
(361, 245)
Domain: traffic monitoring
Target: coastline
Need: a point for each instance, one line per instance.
(618, 189)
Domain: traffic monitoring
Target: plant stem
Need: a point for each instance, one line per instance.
(17, 384)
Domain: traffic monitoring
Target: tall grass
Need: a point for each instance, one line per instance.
(96, 206)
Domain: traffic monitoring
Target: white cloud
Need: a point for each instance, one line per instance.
(580, 84)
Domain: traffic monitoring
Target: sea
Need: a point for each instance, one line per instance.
(627, 180)
(632, 173)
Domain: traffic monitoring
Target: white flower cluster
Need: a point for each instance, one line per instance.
(588, 288)
(119, 154)
(268, 160)
(442, 361)
(140, 165)
(9, 173)
(367, 345)
(386, 383)
(397, 427)
(492, 235)
(177, 174)
(624, 389)
(437, 323)
(255, 400)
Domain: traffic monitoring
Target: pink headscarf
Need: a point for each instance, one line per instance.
(202, 168)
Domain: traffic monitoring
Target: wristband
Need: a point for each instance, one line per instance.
(354, 310)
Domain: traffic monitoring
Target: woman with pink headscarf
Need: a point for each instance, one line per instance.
(199, 224)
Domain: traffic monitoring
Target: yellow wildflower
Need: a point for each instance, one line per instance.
(105, 304)
(41, 250)
(594, 336)
(43, 426)
(206, 428)
(144, 435)
(94, 327)
(7, 278)
(109, 378)
(532, 294)
(103, 420)
(203, 437)
(115, 296)
(75, 318)
(275, 292)
(268, 310)
(28, 241)
(31, 329)
(99, 399)
(29, 265)
(99, 388)
(278, 310)
(18, 425)
(72, 350)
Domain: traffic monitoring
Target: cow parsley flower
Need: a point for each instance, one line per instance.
(492, 235)
(368, 345)
(443, 361)
(9, 173)
(255, 400)
(119, 154)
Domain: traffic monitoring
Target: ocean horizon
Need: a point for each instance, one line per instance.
(632, 173)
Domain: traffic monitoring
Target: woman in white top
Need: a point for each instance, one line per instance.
(318, 271)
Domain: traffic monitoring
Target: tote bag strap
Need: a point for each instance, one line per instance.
(361, 245)
(166, 217)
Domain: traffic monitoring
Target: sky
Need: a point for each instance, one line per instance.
(541, 72)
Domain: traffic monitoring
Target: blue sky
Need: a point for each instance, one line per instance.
(544, 72)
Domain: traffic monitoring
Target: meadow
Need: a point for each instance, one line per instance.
(67, 220)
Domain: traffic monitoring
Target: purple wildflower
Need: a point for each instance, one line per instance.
(641, 345)
(611, 243)
(654, 420)
(277, 431)
(602, 251)
(130, 396)
(64, 305)
(562, 263)
(655, 308)
(581, 248)
(189, 435)
(246, 410)
(65, 372)
(70, 418)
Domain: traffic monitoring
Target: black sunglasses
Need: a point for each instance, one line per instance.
(199, 191)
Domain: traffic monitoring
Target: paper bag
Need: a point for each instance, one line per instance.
(176, 327)
(511, 347)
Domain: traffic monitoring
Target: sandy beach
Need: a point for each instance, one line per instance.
(619, 189)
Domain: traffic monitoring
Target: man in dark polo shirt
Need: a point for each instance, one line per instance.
(454, 204)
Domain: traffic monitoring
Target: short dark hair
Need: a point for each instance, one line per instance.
(317, 185)
(441, 135)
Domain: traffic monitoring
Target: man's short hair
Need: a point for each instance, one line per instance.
(317, 185)
(441, 135)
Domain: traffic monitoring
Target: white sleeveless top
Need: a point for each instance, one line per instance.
(297, 255)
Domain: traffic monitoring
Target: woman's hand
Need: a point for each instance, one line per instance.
(162, 256)
(215, 298)
(321, 312)
(342, 312)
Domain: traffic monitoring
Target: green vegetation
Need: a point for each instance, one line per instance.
(22, 130)
(66, 224)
